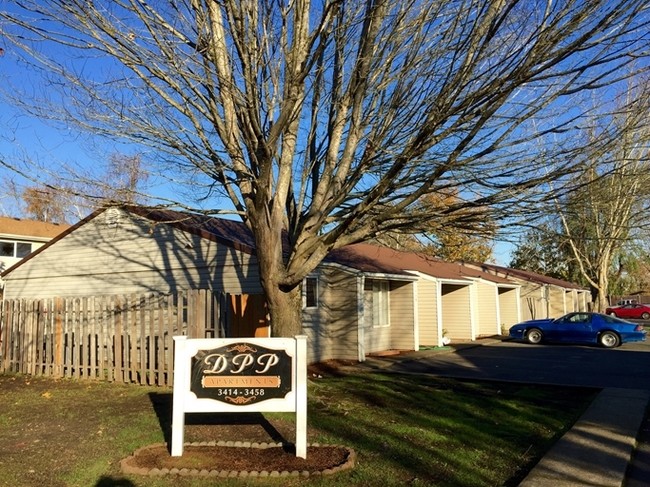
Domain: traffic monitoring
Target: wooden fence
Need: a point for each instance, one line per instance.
(117, 338)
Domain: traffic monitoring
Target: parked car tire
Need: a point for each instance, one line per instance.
(609, 339)
(645, 316)
(534, 336)
(611, 313)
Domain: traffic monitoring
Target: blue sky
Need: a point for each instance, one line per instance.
(26, 138)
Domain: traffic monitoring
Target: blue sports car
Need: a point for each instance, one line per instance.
(580, 327)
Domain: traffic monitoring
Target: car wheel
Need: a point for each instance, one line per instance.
(645, 316)
(534, 335)
(611, 313)
(609, 339)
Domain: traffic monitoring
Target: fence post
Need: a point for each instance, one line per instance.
(5, 333)
(117, 317)
(58, 337)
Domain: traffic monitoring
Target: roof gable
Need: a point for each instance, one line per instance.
(225, 232)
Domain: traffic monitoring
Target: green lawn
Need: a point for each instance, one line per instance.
(406, 430)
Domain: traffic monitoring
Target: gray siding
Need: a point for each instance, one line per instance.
(132, 256)
(332, 327)
(584, 298)
(576, 300)
(533, 305)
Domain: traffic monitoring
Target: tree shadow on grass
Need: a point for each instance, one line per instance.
(162, 404)
(112, 482)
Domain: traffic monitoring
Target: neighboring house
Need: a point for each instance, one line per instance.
(19, 238)
(353, 305)
(455, 302)
(543, 296)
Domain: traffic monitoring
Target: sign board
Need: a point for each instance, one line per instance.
(240, 374)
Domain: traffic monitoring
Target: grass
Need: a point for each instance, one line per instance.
(406, 430)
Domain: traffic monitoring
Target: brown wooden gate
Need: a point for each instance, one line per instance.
(247, 316)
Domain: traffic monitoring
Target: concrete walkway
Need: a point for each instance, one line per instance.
(608, 446)
(598, 449)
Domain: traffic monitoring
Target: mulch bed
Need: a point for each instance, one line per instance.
(222, 460)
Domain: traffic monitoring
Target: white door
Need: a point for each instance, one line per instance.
(376, 316)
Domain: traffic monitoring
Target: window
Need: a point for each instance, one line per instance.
(310, 293)
(15, 249)
(23, 249)
(6, 249)
(579, 318)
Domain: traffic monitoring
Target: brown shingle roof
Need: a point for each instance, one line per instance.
(365, 258)
(30, 228)
(370, 258)
(469, 271)
(530, 276)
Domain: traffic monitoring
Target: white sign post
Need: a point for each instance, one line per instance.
(242, 375)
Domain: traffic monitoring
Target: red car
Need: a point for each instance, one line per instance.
(627, 311)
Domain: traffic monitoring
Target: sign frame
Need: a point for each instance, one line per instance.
(186, 401)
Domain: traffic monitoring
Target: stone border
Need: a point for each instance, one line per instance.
(129, 469)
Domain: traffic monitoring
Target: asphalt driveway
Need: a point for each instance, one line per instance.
(626, 367)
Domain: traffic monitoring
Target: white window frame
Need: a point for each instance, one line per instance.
(15, 244)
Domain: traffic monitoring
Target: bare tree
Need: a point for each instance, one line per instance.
(610, 211)
(124, 177)
(330, 120)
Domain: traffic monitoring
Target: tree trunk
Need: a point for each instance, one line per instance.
(601, 299)
(284, 299)
(285, 308)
